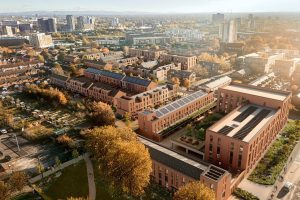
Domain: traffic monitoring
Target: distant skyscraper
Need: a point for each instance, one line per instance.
(70, 23)
(228, 32)
(85, 23)
(80, 22)
(218, 18)
(115, 22)
(47, 25)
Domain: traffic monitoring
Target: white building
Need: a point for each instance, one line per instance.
(41, 40)
(228, 32)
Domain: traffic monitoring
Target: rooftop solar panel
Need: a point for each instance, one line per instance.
(226, 130)
(241, 117)
(245, 130)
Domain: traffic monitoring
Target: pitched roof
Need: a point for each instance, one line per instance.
(136, 80)
(174, 160)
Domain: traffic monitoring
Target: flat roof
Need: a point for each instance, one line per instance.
(174, 160)
(257, 91)
(244, 123)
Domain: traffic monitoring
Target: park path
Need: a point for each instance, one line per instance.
(91, 179)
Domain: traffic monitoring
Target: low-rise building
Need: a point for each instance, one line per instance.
(127, 83)
(150, 99)
(172, 170)
(285, 68)
(186, 61)
(152, 123)
(214, 85)
(182, 75)
(146, 53)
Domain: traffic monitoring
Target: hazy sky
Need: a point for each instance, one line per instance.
(163, 6)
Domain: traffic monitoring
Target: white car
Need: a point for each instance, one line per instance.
(4, 131)
(288, 186)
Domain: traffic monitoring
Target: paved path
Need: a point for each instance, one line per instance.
(90, 172)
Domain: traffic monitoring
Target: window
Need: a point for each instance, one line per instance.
(231, 158)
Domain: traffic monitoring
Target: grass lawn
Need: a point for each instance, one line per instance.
(27, 196)
(73, 182)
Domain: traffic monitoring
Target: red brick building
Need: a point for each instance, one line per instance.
(256, 116)
(153, 122)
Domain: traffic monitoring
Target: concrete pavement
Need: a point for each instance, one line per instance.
(91, 179)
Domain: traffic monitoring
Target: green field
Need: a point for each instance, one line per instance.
(73, 182)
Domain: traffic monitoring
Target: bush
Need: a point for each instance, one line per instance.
(37, 133)
(244, 194)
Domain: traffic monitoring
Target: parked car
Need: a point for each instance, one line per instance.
(4, 131)
(288, 186)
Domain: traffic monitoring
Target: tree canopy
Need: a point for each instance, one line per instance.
(101, 113)
(124, 159)
(194, 191)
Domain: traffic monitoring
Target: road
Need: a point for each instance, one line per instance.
(292, 175)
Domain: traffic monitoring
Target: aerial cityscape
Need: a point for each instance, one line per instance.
(150, 100)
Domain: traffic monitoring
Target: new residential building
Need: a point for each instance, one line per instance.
(255, 116)
(150, 99)
(152, 123)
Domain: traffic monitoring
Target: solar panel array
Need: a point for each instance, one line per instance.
(225, 130)
(214, 173)
(243, 132)
(112, 74)
(241, 117)
(178, 104)
(93, 70)
(136, 80)
(105, 73)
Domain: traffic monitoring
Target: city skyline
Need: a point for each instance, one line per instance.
(155, 6)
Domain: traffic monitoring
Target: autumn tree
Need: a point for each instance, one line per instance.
(175, 80)
(186, 83)
(120, 155)
(200, 71)
(40, 58)
(17, 181)
(4, 191)
(58, 69)
(195, 191)
(127, 118)
(102, 114)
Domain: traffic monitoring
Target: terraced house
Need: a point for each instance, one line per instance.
(150, 99)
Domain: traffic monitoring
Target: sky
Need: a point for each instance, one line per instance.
(161, 6)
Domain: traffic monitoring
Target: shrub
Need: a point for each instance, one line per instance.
(244, 194)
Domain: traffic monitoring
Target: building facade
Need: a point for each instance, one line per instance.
(150, 99)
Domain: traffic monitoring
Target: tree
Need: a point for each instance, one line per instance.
(17, 181)
(121, 157)
(127, 118)
(75, 153)
(58, 69)
(57, 162)
(194, 191)
(175, 81)
(4, 191)
(102, 114)
(61, 56)
(85, 41)
(186, 83)
(40, 58)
